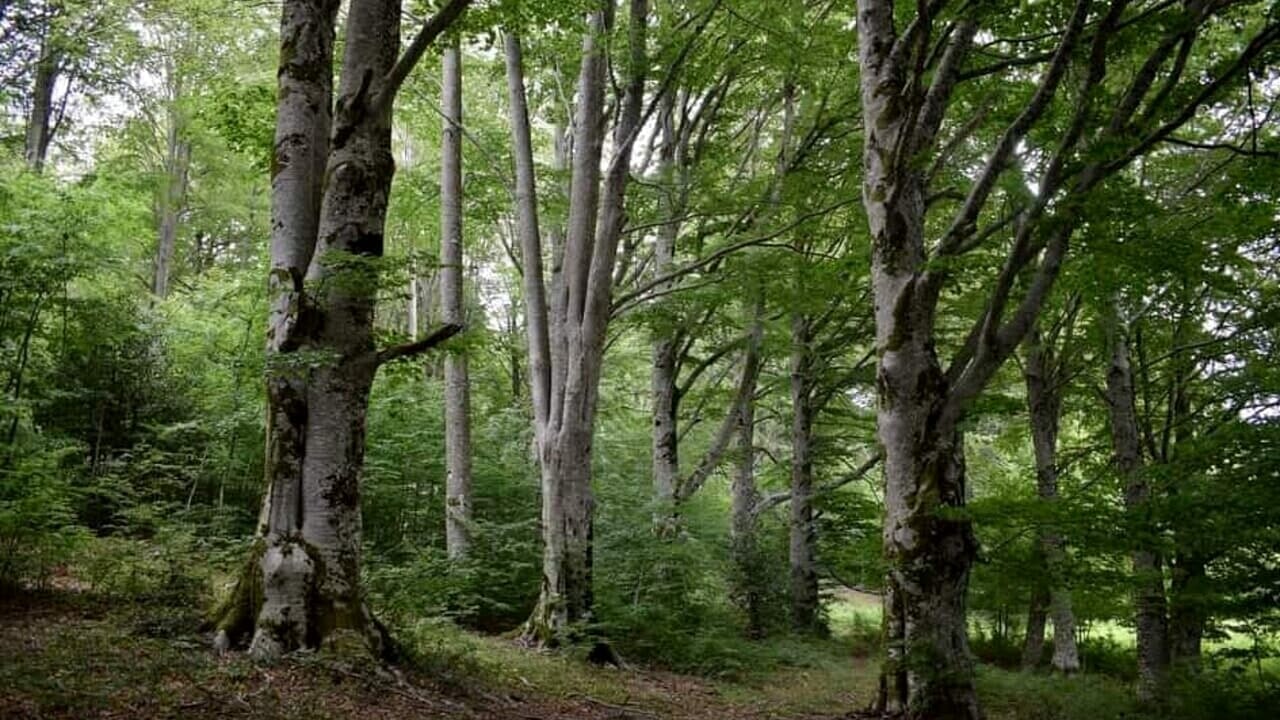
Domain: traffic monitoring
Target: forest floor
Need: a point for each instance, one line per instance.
(68, 655)
(71, 655)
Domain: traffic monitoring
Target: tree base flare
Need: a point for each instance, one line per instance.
(279, 606)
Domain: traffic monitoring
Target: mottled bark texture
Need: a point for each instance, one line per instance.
(664, 372)
(1045, 374)
(928, 543)
(330, 180)
(1150, 605)
(457, 385)
(567, 334)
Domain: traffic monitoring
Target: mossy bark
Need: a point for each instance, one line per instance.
(331, 178)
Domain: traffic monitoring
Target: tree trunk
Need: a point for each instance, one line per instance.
(457, 390)
(171, 200)
(565, 398)
(1187, 615)
(568, 503)
(744, 547)
(1148, 571)
(805, 615)
(39, 131)
(929, 544)
(928, 671)
(1043, 375)
(929, 548)
(1037, 615)
(666, 337)
(535, 292)
(301, 586)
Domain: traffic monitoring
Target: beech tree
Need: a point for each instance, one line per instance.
(331, 177)
(1047, 369)
(566, 332)
(912, 75)
(457, 385)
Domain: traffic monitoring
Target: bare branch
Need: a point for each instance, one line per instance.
(778, 498)
(966, 218)
(442, 333)
(436, 25)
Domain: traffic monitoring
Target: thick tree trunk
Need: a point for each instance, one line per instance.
(1043, 378)
(301, 146)
(929, 548)
(301, 586)
(929, 544)
(1148, 570)
(744, 546)
(457, 387)
(39, 130)
(568, 503)
(928, 668)
(805, 615)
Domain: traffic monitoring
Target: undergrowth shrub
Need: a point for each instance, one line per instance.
(493, 589)
(1225, 690)
(1028, 696)
(1002, 650)
(38, 532)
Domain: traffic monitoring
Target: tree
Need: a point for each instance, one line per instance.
(331, 177)
(567, 335)
(1046, 370)
(56, 49)
(910, 75)
(457, 385)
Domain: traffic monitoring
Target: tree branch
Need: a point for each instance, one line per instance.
(778, 498)
(442, 333)
(965, 221)
(431, 30)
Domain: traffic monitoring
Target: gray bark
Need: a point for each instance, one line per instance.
(172, 197)
(412, 308)
(526, 211)
(1148, 568)
(39, 130)
(331, 177)
(457, 387)
(802, 530)
(666, 341)
(1043, 373)
(928, 670)
(578, 314)
(744, 546)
